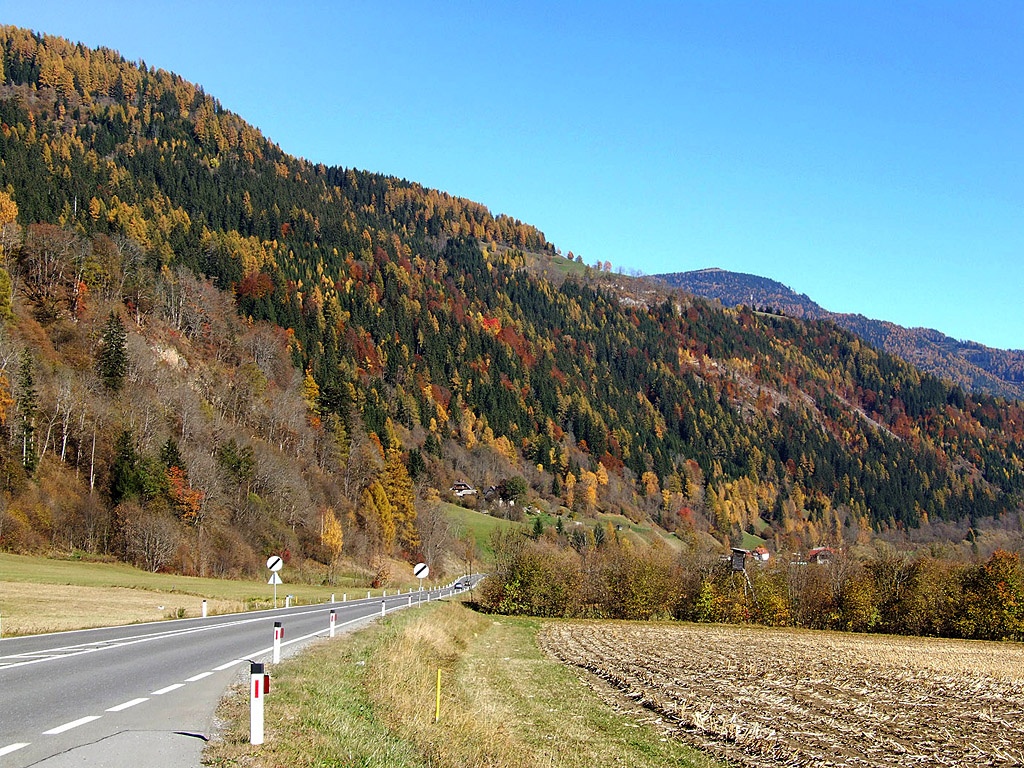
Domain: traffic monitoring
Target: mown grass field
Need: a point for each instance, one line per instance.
(368, 700)
(39, 594)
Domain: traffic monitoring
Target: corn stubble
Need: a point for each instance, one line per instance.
(791, 698)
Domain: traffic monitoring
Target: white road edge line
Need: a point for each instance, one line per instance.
(233, 663)
(132, 703)
(72, 724)
(55, 653)
(198, 677)
(168, 689)
(13, 748)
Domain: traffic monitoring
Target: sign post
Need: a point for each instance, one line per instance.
(421, 571)
(275, 564)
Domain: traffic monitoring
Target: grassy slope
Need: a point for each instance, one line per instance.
(368, 700)
(478, 525)
(481, 526)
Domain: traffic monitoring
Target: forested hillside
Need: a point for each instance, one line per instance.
(967, 363)
(214, 345)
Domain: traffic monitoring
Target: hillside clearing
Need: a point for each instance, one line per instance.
(766, 698)
(478, 525)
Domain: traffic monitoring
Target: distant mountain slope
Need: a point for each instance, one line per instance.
(974, 366)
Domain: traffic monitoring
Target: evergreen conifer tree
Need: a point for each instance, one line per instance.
(27, 405)
(112, 361)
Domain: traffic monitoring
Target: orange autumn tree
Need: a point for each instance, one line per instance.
(188, 500)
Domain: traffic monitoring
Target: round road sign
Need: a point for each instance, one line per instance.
(275, 563)
(420, 571)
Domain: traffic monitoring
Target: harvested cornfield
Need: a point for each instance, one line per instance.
(771, 698)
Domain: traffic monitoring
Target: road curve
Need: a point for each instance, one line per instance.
(132, 695)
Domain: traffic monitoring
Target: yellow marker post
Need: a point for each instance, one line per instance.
(437, 707)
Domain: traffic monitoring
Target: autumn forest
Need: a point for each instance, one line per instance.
(211, 350)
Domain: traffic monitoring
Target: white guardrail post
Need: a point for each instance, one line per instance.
(257, 691)
(334, 618)
(382, 604)
(278, 636)
(204, 609)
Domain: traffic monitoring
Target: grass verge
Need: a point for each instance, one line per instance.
(368, 700)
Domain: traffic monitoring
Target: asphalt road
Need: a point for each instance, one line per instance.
(144, 694)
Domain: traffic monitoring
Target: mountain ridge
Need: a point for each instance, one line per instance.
(967, 363)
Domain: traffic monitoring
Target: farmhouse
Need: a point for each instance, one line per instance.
(822, 555)
(462, 489)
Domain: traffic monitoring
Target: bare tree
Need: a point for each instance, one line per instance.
(434, 528)
(151, 537)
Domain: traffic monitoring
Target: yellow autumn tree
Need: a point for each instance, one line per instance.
(398, 488)
(377, 517)
(650, 483)
(570, 489)
(310, 390)
(588, 492)
(8, 209)
(331, 536)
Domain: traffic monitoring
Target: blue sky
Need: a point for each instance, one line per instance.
(867, 154)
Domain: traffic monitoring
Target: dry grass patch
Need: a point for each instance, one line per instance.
(768, 698)
(33, 608)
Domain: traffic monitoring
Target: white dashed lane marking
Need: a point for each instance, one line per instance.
(72, 724)
(168, 689)
(127, 704)
(12, 748)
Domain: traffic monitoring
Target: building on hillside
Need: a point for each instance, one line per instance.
(822, 555)
(462, 489)
(761, 554)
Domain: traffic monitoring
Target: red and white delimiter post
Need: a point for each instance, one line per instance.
(257, 692)
(278, 637)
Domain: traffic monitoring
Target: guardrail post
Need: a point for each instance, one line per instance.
(332, 597)
(278, 636)
(257, 691)
(334, 617)
(204, 609)
(382, 608)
